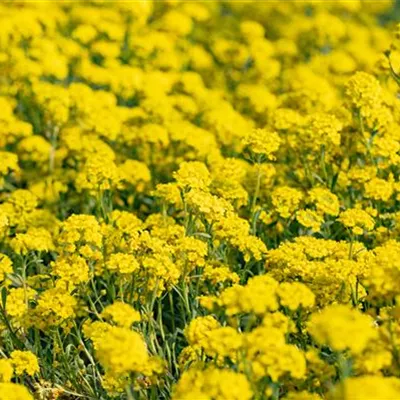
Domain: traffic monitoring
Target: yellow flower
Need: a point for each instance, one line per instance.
(364, 90)
(367, 387)
(13, 391)
(196, 332)
(81, 232)
(382, 279)
(122, 263)
(258, 296)
(212, 383)
(269, 355)
(98, 174)
(342, 328)
(262, 141)
(136, 173)
(294, 295)
(321, 130)
(122, 314)
(54, 307)
(121, 351)
(325, 201)
(176, 22)
(223, 342)
(9, 163)
(35, 239)
(18, 301)
(286, 200)
(71, 271)
(379, 189)
(85, 33)
(194, 175)
(6, 370)
(310, 219)
(358, 220)
(6, 266)
(24, 362)
(219, 274)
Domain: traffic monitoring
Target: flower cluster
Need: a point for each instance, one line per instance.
(199, 200)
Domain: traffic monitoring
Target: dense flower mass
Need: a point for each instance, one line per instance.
(199, 200)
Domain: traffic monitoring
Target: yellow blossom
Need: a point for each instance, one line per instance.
(24, 362)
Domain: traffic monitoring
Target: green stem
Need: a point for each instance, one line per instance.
(257, 189)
